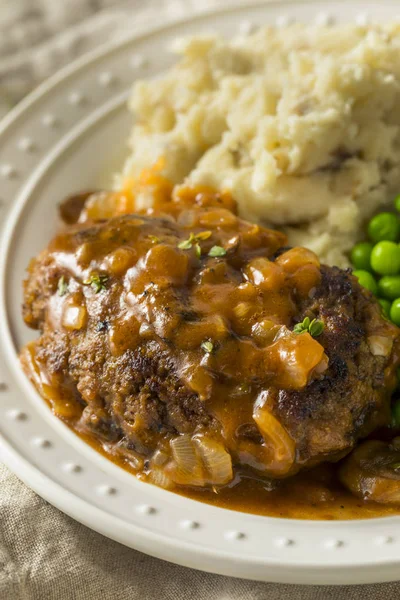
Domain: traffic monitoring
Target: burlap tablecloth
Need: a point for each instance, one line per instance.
(45, 555)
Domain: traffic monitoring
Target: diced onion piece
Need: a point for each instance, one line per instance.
(247, 291)
(61, 406)
(163, 260)
(281, 332)
(387, 496)
(199, 461)
(184, 453)
(265, 274)
(74, 317)
(219, 327)
(161, 478)
(187, 218)
(371, 472)
(281, 447)
(322, 365)
(216, 459)
(265, 330)
(84, 253)
(146, 329)
(106, 205)
(256, 270)
(123, 334)
(199, 380)
(133, 458)
(380, 345)
(119, 261)
(242, 309)
(195, 333)
(219, 217)
(384, 491)
(182, 477)
(159, 458)
(294, 358)
(295, 258)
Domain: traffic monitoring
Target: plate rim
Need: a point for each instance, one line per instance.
(36, 477)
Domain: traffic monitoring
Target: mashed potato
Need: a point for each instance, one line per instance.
(301, 124)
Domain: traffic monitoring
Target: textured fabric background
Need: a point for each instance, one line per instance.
(45, 555)
(37, 37)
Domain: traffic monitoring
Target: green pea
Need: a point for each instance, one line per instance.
(361, 256)
(396, 412)
(385, 304)
(389, 287)
(397, 203)
(384, 226)
(395, 312)
(366, 280)
(385, 258)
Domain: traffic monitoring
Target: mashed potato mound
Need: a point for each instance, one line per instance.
(300, 124)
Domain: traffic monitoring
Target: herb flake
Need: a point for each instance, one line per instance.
(208, 347)
(217, 251)
(314, 327)
(186, 244)
(97, 282)
(62, 286)
(193, 240)
(197, 250)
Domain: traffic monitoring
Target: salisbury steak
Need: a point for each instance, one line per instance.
(172, 341)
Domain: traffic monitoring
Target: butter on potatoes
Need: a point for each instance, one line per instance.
(300, 124)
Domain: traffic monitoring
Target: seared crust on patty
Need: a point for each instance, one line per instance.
(348, 402)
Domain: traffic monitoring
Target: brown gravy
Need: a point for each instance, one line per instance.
(312, 494)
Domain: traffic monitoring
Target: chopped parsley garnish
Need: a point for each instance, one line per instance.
(207, 347)
(197, 249)
(314, 327)
(97, 282)
(186, 244)
(193, 240)
(217, 251)
(62, 286)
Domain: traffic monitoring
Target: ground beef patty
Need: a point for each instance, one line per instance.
(155, 327)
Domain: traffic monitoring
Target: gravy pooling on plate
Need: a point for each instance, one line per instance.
(199, 351)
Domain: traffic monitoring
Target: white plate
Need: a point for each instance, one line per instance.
(68, 136)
